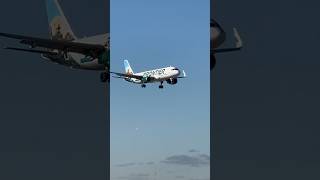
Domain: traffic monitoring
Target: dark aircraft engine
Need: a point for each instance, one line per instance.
(146, 79)
(172, 81)
(217, 34)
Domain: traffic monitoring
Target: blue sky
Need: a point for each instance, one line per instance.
(153, 130)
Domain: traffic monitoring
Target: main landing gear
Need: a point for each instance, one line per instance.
(104, 77)
(161, 86)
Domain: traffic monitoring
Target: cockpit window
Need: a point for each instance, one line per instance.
(175, 69)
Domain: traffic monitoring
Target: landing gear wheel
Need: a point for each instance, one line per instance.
(143, 85)
(104, 77)
(161, 86)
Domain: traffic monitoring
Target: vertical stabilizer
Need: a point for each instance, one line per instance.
(58, 25)
(127, 67)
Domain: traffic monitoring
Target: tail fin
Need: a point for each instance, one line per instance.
(128, 67)
(58, 24)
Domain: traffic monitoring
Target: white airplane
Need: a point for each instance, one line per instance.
(63, 47)
(169, 74)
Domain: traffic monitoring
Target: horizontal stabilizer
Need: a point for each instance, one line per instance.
(239, 43)
(32, 51)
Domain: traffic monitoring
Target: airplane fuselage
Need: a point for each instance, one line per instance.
(159, 75)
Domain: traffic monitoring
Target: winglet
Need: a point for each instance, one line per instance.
(184, 73)
(239, 43)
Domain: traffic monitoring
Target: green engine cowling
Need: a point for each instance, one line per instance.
(146, 78)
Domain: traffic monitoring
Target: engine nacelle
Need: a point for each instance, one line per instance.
(146, 79)
(172, 81)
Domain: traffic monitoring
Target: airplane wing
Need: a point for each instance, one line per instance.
(65, 46)
(32, 51)
(239, 44)
(122, 75)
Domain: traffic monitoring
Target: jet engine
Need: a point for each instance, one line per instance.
(172, 81)
(146, 79)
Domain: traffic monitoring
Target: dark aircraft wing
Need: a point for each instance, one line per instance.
(32, 51)
(222, 50)
(238, 46)
(92, 50)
